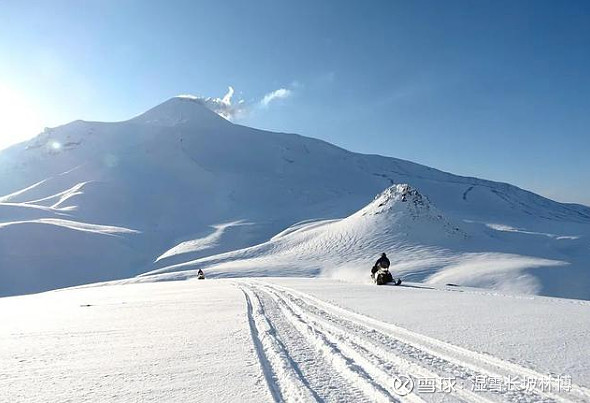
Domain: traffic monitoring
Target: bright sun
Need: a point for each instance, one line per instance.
(19, 119)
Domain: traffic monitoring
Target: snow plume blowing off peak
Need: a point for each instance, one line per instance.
(224, 107)
(182, 109)
(231, 110)
(194, 110)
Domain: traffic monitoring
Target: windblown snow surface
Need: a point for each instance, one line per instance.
(292, 340)
(179, 188)
(424, 246)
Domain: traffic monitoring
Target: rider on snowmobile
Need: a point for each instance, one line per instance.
(380, 272)
(382, 262)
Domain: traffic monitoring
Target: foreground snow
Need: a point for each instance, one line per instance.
(291, 339)
(159, 342)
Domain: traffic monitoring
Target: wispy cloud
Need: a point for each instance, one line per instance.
(276, 94)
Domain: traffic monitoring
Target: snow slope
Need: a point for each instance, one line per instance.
(423, 243)
(177, 178)
(259, 340)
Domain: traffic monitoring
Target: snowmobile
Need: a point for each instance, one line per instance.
(200, 275)
(382, 276)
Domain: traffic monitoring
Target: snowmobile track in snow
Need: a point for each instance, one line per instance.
(300, 336)
(298, 365)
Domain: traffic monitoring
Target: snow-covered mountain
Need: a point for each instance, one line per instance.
(423, 242)
(92, 201)
(398, 219)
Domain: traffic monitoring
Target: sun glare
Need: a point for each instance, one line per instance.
(19, 119)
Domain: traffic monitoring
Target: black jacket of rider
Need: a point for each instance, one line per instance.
(378, 263)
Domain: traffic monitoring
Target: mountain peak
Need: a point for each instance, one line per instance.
(402, 209)
(395, 194)
(185, 110)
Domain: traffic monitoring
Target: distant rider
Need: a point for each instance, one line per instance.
(200, 273)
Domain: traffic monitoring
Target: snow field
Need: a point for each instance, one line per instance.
(292, 340)
(371, 354)
(171, 342)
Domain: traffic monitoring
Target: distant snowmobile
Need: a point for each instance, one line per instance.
(200, 275)
(380, 272)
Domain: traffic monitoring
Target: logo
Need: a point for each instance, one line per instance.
(403, 385)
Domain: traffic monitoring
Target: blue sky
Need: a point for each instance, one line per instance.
(494, 89)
